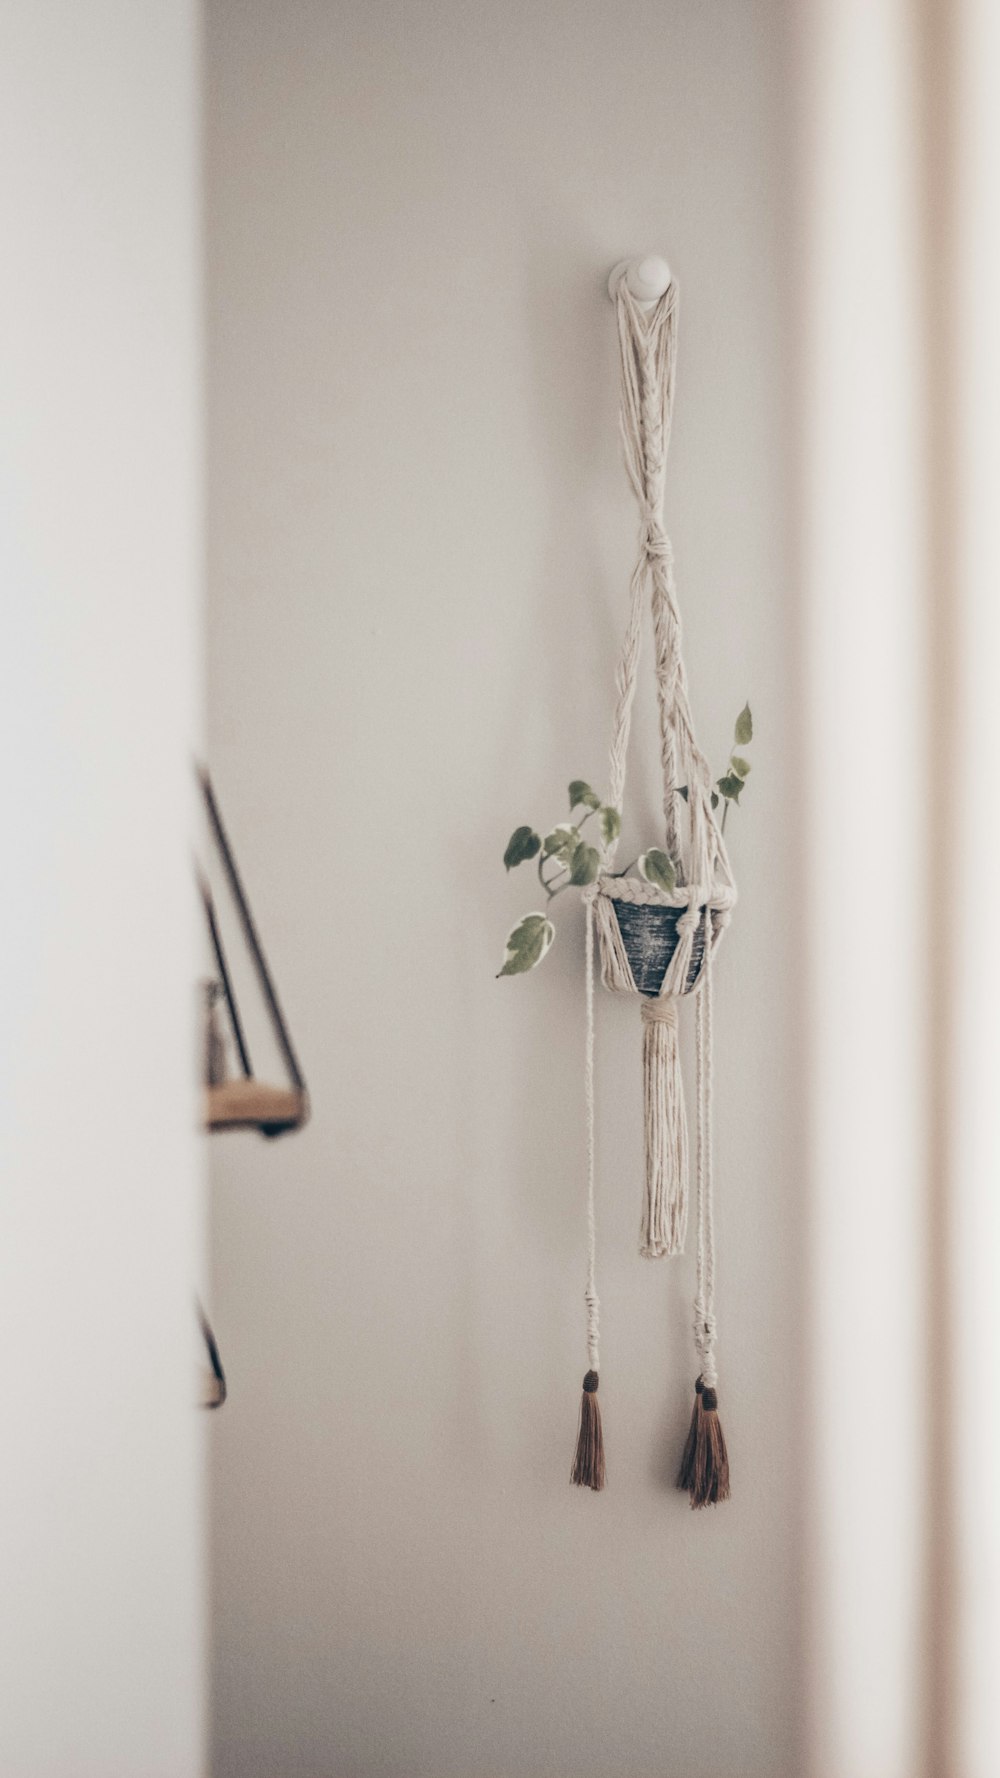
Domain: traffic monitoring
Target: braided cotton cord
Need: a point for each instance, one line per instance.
(648, 354)
(704, 1301)
(704, 893)
(593, 1302)
(627, 678)
(648, 351)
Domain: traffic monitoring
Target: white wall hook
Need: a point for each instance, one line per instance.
(646, 278)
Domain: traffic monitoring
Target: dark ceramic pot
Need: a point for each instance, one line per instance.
(649, 934)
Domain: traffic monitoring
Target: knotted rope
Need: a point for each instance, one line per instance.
(593, 1301)
(588, 1464)
(695, 914)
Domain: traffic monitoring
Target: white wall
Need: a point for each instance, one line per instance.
(420, 539)
(101, 1640)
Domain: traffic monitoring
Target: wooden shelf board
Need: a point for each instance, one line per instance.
(253, 1105)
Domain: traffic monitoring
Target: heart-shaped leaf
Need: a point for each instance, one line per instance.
(611, 824)
(657, 868)
(523, 843)
(744, 727)
(562, 841)
(584, 864)
(730, 787)
(580, 794)
(527, 943)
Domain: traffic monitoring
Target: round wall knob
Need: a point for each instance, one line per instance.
(647, 278)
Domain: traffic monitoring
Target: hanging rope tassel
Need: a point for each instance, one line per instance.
(704, 1470)
(588, 1465)
(710, 1468)
(665, 1206)
(685, 1475)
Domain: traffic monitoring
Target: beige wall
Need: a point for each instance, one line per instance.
(101, 1651)
(420, 538)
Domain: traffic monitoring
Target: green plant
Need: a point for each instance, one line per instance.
(568, 860)
(737, 772)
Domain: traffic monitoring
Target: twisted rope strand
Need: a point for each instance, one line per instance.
(648, 351)
(704, 1301)
(592, 1299)
(706, 889)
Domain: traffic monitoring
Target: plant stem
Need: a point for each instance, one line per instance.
(547, 882)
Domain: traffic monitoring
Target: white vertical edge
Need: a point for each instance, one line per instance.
(102, 1640)
(972, 927)
(867, 829)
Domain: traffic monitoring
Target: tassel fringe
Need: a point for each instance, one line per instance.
(588, 1466)
(708, 1467)
(685, 1475)
(665, 1205)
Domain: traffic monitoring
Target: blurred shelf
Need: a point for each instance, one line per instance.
(251, 1105)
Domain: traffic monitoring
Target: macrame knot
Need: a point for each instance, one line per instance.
(656, 544)
(690, 920)
(659, 1009)
(704, 1323)
(704, 1339)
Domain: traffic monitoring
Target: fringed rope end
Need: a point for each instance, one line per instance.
(685, 1475)
(665, 1204)
(709, 1480)
(588, 1465)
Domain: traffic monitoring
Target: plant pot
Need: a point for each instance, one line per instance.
(649, 934)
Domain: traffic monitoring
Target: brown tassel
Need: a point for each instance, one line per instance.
(685, 1475)
(588, 1467)
(710, 1467)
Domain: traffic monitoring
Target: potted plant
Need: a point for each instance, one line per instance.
(571, 857)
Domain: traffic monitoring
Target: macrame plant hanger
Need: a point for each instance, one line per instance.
(655, 944)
